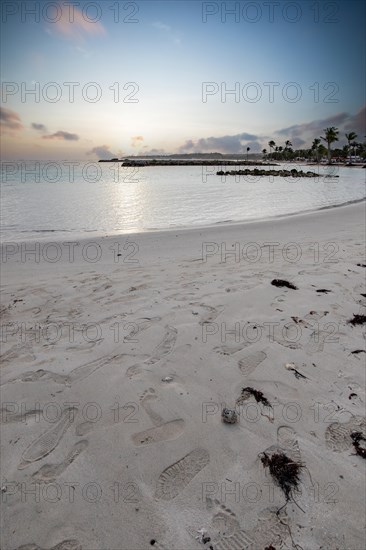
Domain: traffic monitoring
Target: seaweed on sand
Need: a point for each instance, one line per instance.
(282, 283)
(357, 319)
(356, 438)
(291, 367)
(286, 473)
(258, 396)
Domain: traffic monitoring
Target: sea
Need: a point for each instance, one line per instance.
(40, 200)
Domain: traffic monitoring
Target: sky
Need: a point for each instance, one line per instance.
(93, 80)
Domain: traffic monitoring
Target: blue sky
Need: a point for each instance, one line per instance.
(160, 54)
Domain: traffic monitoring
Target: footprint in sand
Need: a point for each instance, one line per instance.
(163, 431)
(145, 399)
(248, 364)
(77, 374)
(231, 350)
(17, 354)
(320, 337)
(39, 375)
(165, 346)
(10, 417)
(162, 350)
(224, 522)
(225, 532)
(111, 418)
(49, 472)
(213, 313)
(166, 432)
(278, 301)
(338, 435)
(271, 530)
(175, 478)
(49, 440)
(316, 341)
(285, 342)
(70, 544)
(287, 442)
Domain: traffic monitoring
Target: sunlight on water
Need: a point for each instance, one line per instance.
(107, 198)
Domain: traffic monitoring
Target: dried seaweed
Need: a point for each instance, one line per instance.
(356, 438)
(282, 283)
(323, 290)
(291, 367)
(357, 319)
(285, 472)
(258, 396)
(357, 351)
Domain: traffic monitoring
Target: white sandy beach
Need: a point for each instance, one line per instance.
(115, 371)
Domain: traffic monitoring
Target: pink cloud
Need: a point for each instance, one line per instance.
(75, 24)
(10, 120)
(102, 152)
(137, 140)
(66, 136)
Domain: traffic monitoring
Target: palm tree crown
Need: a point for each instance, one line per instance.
(315, 148)
(331, 135)
(271, 144)
(350, 137)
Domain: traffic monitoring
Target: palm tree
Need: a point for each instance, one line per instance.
(322, 151)
(315, 148)
(350, 137)
(354, 145)
(248, 149)
(271, 145)
(288, 144)
(264, 151)
(331, 135)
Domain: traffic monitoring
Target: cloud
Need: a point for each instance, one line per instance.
(66, 136)
(39, 127)
(315, 126)
(161, 26)
(10, 120)
(137, 140)
(102, 152)
(357, 123)
(152, 152)
(306, 132)
(297, 143)
(224, 144)
(75, 24)
(168, 31)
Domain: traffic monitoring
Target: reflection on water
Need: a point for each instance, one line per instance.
(108, 198)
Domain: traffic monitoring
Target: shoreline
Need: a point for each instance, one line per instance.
(47, 234)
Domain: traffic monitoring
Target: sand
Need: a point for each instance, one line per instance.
(119, 354)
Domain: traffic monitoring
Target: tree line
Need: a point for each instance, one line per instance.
(317, 151)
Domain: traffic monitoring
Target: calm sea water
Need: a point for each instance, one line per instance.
(40, 200)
